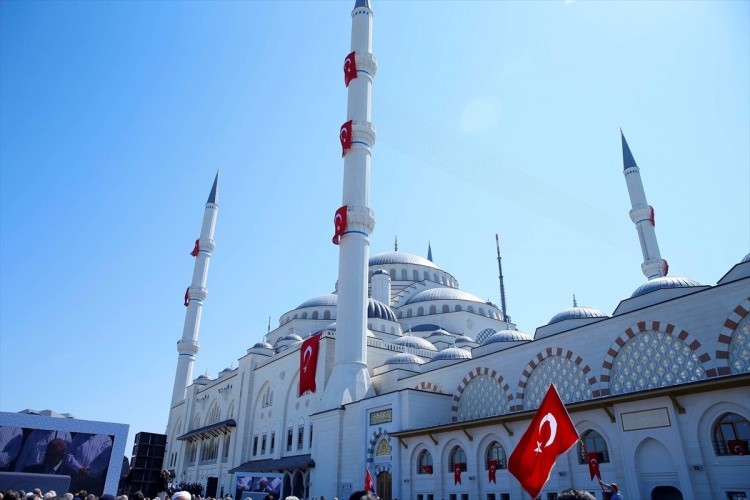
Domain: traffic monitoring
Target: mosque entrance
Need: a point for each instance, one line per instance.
(384, 485)
(666, 493)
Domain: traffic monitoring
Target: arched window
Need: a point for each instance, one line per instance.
(227, 441)
(403, 275)
(304, 315)
(424, 462)
(383, 449)
(458, 308)
(408, 313)
(433, 310)
(327, 315)
(315, 315)
(731, 435)
(446, 308)
(481, 311)
(434, 277)
(425, 276)
(495, 453)
(592, 442)
(457, 458)
(420, 311)
(393, 274)
(470, 309)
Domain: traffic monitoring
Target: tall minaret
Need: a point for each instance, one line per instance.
(642, 215)
(188, 346)
(349, 379)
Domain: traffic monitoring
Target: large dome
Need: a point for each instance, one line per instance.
(414, 343)
(443, 294)
(320, 301)
(664, 282)
(400, 258)
(576, 312)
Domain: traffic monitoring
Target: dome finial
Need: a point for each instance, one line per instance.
(575, 304)
(269, 326)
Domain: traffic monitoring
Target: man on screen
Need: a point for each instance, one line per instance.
(53, 460)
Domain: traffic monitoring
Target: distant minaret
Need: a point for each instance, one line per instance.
(429, 251)
(500, 277)
(188, 346)
(642, 215)
(349, 379)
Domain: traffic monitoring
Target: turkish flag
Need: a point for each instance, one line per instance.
(493, 470)
(339, 224)
(550, 434)
(187, 297)
(345, 134)
(737, 447)
(308, 363)
(368, 481)
(594, 464)
(427, 469)
(457, 474)
(196, 249)
(350, 68)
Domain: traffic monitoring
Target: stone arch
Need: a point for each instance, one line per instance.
(725, 338)
(642, 326)
(541, 356)
(471, 376)
(376, 436)
(429, 386)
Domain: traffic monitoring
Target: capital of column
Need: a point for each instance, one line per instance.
(197, 292)
(360, 219)
(363, 134)
(641, 213)
(367, 66)
(188, 346)
(207, 244)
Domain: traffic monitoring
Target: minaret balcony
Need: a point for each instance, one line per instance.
(188, 346)
(641, 213)
(360, 219)
(363, 134)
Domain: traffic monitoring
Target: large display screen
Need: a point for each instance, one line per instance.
(256, 485)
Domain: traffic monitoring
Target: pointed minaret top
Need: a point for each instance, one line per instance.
(362, 3)
(575, 304)
(627, 157)
(395, 245)
(213, 197)
(429, 251)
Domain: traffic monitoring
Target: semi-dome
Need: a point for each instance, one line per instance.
(378, 310)
(414, 343)
(386, 258)
(506, 336)
(746, 258)
(320, 301)
(404, 358)
(452, 353)
(664, 282)
(463, 339)
(576, 312)
(443, 294)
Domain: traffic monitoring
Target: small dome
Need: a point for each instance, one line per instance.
(452, 353)
(400, 258)
(378, 310)
(404, 358)
(576, 312)
(320, 301)
(441, 333)
(462, 339)
(663, 282)
(414, 343)
(225, 371)
(443, 294)
(292, 336)
(262, 345)
(506, 336)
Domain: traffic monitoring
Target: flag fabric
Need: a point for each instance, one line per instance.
(339, 224)
(345, 135)
(187, 297)
(550, 434)
(427, 469)
(493, 471)
(737, 447)
(651, 217)
(457, 474)
(196, 248)
(308, 363)
(594, 465)
(350, 68)
(368, 481)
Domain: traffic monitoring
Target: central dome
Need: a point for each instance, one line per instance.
(443, 294)
(400, 258)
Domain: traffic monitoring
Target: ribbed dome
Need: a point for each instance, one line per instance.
(506, 336)
(664, 282)
(443, 294)
(292, 336)
(404, 358)
(441, 333)
(746, 258)
(225, 371)
(400, 258)
(414, 343)
(576, 312)
(262, 345)
(378, 310)
(320, 301)
(463, 339)
(452, 353)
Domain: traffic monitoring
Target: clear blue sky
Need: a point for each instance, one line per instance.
(114, 117)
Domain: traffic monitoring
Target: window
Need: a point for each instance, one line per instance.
(289, 438)
(255, 444)
(457, 458)
(446, 308)
(315, 315)
(433, 310)
(551, 496)
(420, 311)
(326, 314)
(736, 495)
(300, 437)
(309, 437)
(227, 441)
(458, 308)
(731, 435)
(470, 309)
(304, 315)
(495, 453)
(424, 462)
(592, 442)
(273, 442)
(263, 445)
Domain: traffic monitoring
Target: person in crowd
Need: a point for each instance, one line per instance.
(613, 489)
(575, 494)
(182, 495)
(363, 495)
(53, 461)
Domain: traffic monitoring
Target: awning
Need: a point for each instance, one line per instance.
(208, 431)
(276, 464)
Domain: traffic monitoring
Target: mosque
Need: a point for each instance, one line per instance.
(429, 388)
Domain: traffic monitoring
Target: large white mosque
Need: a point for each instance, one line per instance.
(430, 388)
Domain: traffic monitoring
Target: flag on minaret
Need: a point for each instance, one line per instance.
(550, 434)
(345, 134)
(187, 297)
(594, 465)
(308, 363)
(339, 224)
(196, 248)
(369, 486)
(350, 68)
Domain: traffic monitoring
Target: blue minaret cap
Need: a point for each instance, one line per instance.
(362, 3)
(627, 157)
(213, 197)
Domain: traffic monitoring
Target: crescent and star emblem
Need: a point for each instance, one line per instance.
(306, 358)
(337, 220)
(548, 418)
(593, 462)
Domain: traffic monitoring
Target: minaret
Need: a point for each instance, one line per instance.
(642, 215)
(349, 379)
(187, 346)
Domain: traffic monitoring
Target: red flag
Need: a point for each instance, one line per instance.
(350, 68)
(308, 363)
(737, 447)
(651, 217)
(457, 474)
(665, 266)
(493, 471)
(594, 465)
(187, 297)
(339, 224)
(368, 481)
(427, 469)
(196, 249)
(345, 134)
(550, 434)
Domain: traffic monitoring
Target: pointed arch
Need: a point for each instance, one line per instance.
(733, 339)
(565, 359)
(470, 400)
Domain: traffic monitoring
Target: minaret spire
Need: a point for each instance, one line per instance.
(500, 277)
(642, 215)
(349, 379)
(187, 346)
(395, 245)
(429, 251)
